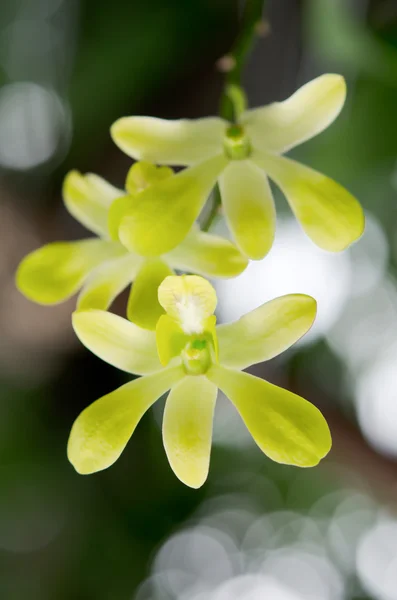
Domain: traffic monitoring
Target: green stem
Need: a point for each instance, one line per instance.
(252, 16)
(231, 103)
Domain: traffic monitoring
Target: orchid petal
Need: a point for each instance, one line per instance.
(162, 215)
(170, 338)
(287, 428)
(88, 198)
(181, 142)
(56, 271)
(283, 125)
(327, 212)
(249, 207)
(144, 308)
(187, 428)
(208, 255)
(102, 431)
(117, 341)
(108, 281)
(266, 331)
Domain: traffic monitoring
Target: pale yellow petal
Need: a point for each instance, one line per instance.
(108, 281)
(101, 432)
(287, 428)
(187, 428)
(117, 341)
(88, 199)
(328, 213)
(266, 331)
(249, 207)
(162, 215)
(56, 271)
(208, 255)
(283, 125)
(182, 142)
(143, 307)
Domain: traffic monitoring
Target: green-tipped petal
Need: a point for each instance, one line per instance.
(56, 271)
(101, 432)
(249, 208)
(108, 281)
(144, 308)
(117, 341)
(88, 198)
(331, 217)
(283, 125)
(187, 429)
(266, 331)
(208, 255)
(163, 214)
(287, 428)
(189, 299)
(181, 142)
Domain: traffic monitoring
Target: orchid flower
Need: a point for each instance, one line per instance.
(104, 266)
(241, 157)
(191, 356)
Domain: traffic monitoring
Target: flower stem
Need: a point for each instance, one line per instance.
(233, 100)
(251, 19)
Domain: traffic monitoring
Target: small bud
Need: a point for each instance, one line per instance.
(226, 63)
(263, 28)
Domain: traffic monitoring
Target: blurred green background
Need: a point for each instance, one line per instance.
(256, 530)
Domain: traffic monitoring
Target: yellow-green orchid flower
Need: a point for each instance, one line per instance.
(103, 266)
(242, 157)
(192, 357)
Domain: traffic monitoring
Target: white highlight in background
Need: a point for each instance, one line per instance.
(294, 265)
(33, 121)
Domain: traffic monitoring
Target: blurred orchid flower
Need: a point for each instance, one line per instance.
(241, 157)
(104, 266)
(191, 356)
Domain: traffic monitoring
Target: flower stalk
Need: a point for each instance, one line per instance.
(252, 16)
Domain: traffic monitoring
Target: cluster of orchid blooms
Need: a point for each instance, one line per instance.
(148, 232)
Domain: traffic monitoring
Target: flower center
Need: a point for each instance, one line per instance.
(236, 143)
(196, 356)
